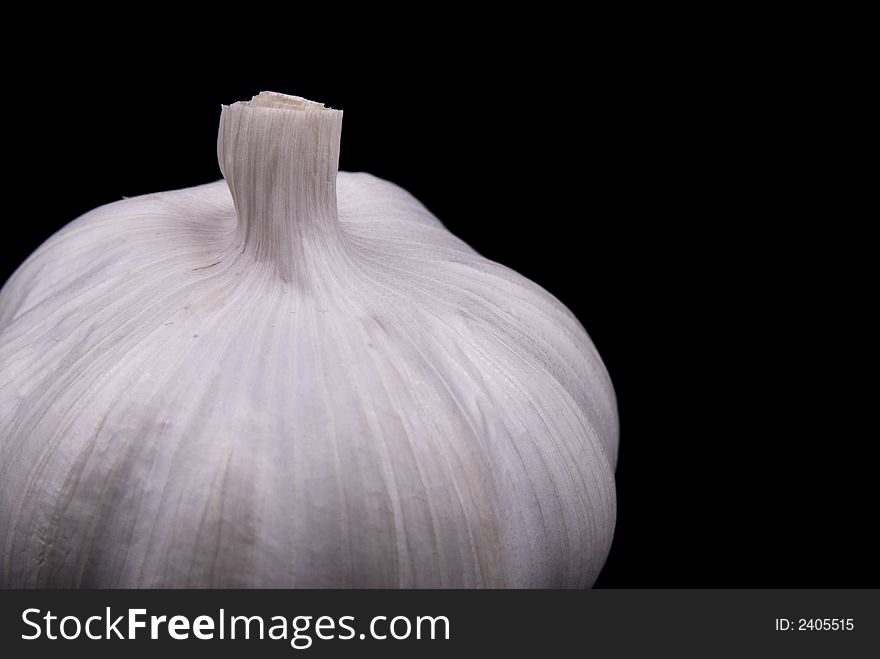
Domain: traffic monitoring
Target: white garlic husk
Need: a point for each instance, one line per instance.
(308, 382)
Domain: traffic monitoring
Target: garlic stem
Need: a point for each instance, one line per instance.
(280, 155)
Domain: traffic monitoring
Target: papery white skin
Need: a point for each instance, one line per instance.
(316, 385)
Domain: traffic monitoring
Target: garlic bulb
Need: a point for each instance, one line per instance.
(293, 378)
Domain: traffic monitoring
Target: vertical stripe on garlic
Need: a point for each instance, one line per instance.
(293, 378)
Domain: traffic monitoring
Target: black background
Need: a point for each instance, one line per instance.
(662, 185)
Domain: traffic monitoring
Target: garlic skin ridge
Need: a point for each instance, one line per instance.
(294, 377)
